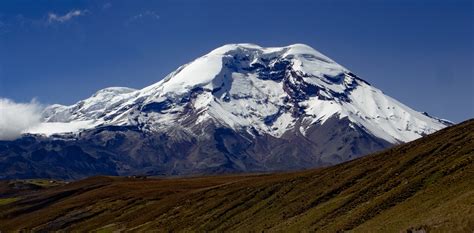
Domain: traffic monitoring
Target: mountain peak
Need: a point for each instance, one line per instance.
(210, 70)
(258, 90)
(240, 107)
(290, 50)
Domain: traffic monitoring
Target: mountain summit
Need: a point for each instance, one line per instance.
(240, 107)
(258, 90)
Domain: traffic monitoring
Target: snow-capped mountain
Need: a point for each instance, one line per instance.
(247, 87)
(241, 107)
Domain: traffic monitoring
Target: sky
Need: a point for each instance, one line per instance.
(419, 52)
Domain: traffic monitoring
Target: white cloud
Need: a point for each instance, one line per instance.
(147, 14)
(52, 17)
(16, 118)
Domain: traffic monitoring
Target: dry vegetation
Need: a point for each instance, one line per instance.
(427, 184)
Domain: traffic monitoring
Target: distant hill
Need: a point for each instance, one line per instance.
(425, 185)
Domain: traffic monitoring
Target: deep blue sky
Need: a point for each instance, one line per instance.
(419, 52)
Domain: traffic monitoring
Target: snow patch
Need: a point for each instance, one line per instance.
(50, 128)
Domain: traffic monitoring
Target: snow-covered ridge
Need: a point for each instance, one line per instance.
(254, 89)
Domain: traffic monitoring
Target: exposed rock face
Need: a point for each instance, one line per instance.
(125, 151)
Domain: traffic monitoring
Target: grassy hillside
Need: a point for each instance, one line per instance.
(427, 184)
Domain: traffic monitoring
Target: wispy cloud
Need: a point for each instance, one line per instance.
(144, 15)
(53, 17)
(22, 22)
(18, 117)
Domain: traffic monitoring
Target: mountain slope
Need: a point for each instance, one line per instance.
(427, 184)
(239, 108)
(249, 88)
